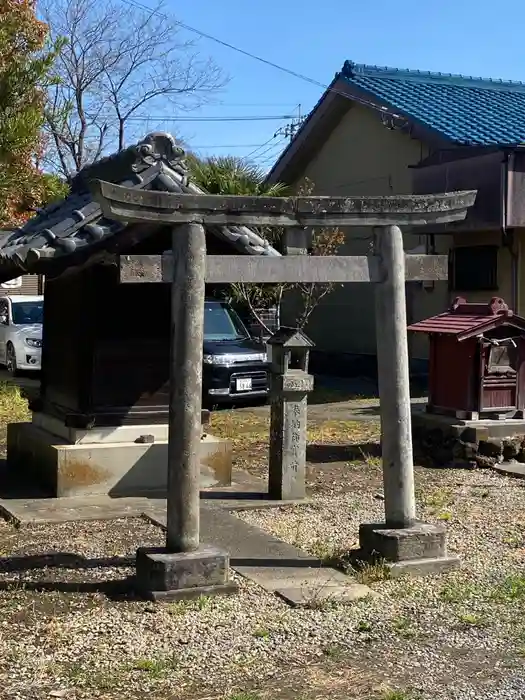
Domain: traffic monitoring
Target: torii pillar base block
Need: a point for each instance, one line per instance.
(417, 550)
(168, 576)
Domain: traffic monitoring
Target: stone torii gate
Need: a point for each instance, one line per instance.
(185, 567)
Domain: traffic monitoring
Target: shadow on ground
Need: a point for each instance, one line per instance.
(57, 562)
(60, 560)
(13, 487)
(341, 389)
(364, 412)
(325, 454)
(114, 589)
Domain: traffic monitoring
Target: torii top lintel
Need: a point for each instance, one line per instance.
(131, 205)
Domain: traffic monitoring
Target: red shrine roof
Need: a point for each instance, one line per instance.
(465, 320)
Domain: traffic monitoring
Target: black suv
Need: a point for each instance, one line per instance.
(235, 365)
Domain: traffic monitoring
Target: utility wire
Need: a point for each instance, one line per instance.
(231, 145)
(252, 153)
(257, 104)
(243, 118)
(265, 61)
(268, 159)
(272, 148)
(275, 149)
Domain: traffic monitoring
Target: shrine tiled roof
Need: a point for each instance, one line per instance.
(74, 228)
(465, 320)
(465, 110)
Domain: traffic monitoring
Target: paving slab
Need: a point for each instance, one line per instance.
(252, 501)
(276, 566)
(25, 511)
(248, 545)
(305, 587)
(318, 595)
(247, 492)
(516, 469)
(283, 577)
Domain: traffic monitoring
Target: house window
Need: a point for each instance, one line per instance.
(473, 268)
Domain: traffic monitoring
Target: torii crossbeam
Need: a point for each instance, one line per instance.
(187, 268)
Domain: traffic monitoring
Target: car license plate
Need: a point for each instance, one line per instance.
(243, 384)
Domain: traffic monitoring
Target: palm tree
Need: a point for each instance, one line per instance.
(232, 175)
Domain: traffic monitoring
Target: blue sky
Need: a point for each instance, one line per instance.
(472, 37)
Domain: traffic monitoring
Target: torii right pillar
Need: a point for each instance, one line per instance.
(406, 545)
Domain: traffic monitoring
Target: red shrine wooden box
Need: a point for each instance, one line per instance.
(477, 360)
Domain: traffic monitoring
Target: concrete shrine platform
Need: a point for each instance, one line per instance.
(123, 461)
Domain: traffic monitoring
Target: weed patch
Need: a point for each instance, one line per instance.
(512, 588)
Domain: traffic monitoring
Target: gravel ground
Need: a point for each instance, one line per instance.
(69, 626)
(462, 635)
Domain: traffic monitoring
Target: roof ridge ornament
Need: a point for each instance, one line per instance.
(161, 146)
(495, 307)
(157, 147)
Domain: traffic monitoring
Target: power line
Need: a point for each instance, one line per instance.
(269, 158)
(265, 61)
(231, 145)
(243, 118)
(275, 148)
(272, 151)
(257, 104)
(252, 153)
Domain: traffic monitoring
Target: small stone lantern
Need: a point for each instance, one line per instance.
(289, 389)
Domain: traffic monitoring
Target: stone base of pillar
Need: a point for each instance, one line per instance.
(168, 576)
(417, 550)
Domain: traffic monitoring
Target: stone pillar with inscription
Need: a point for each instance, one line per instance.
(289, 389)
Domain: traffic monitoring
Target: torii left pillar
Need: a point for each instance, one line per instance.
(184, 568)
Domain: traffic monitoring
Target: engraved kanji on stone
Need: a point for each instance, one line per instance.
(289, 390)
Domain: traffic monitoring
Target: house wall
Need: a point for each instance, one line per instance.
(364, 157)
(360, 157)
(483, 172)
(520, 249)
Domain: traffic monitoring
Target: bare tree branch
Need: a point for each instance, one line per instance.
(307, 296)
(120, 66)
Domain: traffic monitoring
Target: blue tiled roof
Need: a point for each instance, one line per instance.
(472, 111)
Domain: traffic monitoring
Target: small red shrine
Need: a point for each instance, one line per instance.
(477, 360)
